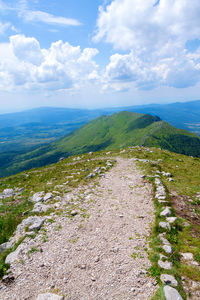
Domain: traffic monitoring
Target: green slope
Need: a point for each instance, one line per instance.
(111, 132)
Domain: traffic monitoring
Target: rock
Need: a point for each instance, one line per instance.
(167, 249)
(163, 239)
(6, 246)
(90, 175)
(37, 197)
(171, 293)
(49, 296)
(74, 213)
(167, 265)
(170, 179)
(61, 159)
(165, 225)
(47, 197)
(32, 223)
(97, 170)
(168, 279)
(166, 212)
(171, 219)
(36, 225)
(13, 256)
(187, 256)
(39, 208)
(8, 192)
(90, 153)
(116, 249)
(97, 259)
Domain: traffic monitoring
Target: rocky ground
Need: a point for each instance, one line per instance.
(100, 253)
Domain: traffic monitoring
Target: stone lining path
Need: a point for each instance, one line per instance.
(100, 256)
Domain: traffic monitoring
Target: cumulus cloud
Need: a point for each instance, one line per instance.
(26, 49)
(24, 65)
(142, 24)
(154, 35)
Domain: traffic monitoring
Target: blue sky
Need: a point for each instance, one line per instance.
(98, 53)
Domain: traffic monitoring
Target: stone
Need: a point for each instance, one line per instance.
(49, 296)
(167, 249)
(8, 192)
(91, 175)
(163, 239)
(37, 197)
(171, 220)
(171, 293)
(74, 212)
(47, 197)
(187, 256)
(61, 159)
(167, 265)
(36, 225)
(168, 279)
(32, 223)
(13, 256)
(39, 208)
(166, 212)
(6, 246)
(165, 225)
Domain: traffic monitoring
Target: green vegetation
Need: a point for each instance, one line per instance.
(111, 132)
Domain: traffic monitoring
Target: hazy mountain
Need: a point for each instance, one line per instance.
(110, 132)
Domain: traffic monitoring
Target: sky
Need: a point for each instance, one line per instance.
(98, 53)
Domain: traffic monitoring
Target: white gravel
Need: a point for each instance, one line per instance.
(90, 258)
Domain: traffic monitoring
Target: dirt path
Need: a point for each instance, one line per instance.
(98, 256)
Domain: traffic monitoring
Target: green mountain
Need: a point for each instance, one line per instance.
(110, 132)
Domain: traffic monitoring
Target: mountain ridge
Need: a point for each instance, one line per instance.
(111, 132)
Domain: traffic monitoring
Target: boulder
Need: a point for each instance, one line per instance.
(40, 208)
(90, 175)
(168, 279)
(165, 225)
(167, 249)
(37, 197)
(49, 296)
(171, 219)
(33, 223)
(13, 256)
(171, 293)
(6, 246)
(47, 197)
(166, 212)
(8, 192)
(36, 225)
(167, 265)
(187, 256)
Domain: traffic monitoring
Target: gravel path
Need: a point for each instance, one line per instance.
(98, 256)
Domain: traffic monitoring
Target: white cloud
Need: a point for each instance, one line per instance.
(136, 24)
(154, 37)
(26, 49)
(4, 27)
(44, 17)
(25, 66)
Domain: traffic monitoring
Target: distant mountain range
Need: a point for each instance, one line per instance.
(109, 132)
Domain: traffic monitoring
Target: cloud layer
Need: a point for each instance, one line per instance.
(25, 65)
(154, 35)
